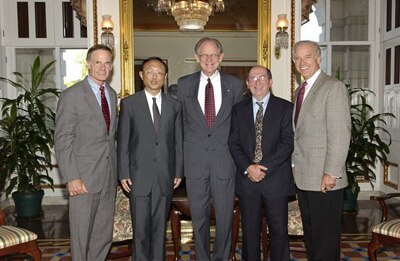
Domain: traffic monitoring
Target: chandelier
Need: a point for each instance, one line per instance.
(190, 15)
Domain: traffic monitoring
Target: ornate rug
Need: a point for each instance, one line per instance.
(354, 247)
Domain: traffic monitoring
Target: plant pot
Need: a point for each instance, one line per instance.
(350, 201)
(28, 205)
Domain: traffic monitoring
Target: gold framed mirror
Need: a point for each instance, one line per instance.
(127, 51)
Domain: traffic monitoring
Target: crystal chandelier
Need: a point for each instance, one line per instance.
(190, 15)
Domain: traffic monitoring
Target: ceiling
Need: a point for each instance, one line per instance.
(238, 15)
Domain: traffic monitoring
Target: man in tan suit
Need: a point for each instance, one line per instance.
(322, 129)
(86, 122)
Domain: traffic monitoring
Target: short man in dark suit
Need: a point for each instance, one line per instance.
(150, 158)
(208, 97)
(261, 143)
(322, 129)
(86, 122)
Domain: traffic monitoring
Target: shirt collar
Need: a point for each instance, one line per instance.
(150, 96)
(264, 100)
(205, 77)
(311, 81)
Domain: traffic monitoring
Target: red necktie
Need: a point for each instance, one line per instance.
(104, 108)
(299, 101)
(209, 104)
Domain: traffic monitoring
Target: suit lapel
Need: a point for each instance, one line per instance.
(112, 108)
(93, 104)
(144, 109)
(166, 111)
(309, 100)
(194, 104)
(226, 104)
(249, 123)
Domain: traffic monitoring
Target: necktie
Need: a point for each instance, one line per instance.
(259, 128)
(156, 116)
(209, 104)
(299, 101)
(104, 108)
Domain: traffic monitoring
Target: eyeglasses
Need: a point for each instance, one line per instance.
(205, 57)
(261, 78)
(158, 74)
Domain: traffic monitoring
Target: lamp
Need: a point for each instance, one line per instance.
(281, 37)
(190, 15)
(107, 37)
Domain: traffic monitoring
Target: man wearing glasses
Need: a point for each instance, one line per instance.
(207, 97)
(261, 142)
(150, 158)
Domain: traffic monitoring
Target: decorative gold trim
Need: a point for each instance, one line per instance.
(292, 39)
(386, 180)
(264, 33)
(127, 48)
(95, 34)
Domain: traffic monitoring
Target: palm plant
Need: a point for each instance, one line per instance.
(367, 148)
(26, 133)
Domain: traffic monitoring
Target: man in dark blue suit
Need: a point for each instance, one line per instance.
(261, 143)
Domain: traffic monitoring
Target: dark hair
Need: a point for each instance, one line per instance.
(98, 47)
(269, 73)
(153, 58)
(208, 39)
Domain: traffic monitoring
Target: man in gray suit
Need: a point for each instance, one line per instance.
(207, 98)
(86, 122)
(150, 160)
(322, 128)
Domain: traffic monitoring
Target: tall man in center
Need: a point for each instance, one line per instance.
(207, 97)
(150, 158)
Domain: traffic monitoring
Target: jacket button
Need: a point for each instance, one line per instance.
(156, 143)
(209, 135)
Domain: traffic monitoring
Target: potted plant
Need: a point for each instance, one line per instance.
(367, 148)
(26, 140)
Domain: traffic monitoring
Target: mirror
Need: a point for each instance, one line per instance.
(128, 49)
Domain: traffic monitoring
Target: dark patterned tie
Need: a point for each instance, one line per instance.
(259, 128)
(156, 116)
(209, 104)
(299, 101)
(104, 108)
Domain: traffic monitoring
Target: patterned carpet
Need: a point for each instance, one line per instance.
(354, 247)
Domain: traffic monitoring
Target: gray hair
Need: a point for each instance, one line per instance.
(208, 39)
(315, 45)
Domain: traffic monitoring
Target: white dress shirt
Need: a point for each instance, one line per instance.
(149, 98)
(216, 82)
(310, 83)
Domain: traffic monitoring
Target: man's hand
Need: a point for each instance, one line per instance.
(328, 183)
(177, 182)
(76, 187)
(256, 172)
(126, 184)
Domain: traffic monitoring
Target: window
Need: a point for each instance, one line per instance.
(342, 28)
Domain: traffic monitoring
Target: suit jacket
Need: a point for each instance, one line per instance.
(322, 135)
(200, 142)
(143, 155)
(84, 149)
(277, 146)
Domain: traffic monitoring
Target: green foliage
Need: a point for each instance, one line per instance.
(366, 146)
(27, 133)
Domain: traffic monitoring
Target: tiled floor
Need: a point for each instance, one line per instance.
(54, 222)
